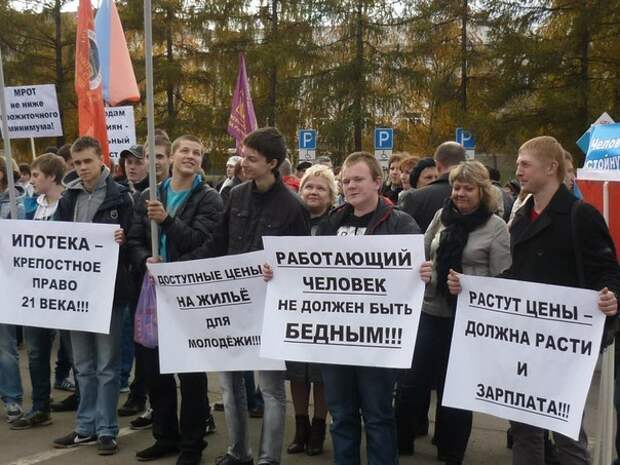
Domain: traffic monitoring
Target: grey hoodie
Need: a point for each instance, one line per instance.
(87, 203)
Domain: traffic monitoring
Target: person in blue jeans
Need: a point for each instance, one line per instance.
(47, 172)
(10, 381)
(92, 196)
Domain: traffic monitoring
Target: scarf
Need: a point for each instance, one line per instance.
(452, 242)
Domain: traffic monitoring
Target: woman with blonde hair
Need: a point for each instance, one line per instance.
(318, 191)
(466, 236)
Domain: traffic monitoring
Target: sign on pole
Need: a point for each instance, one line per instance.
(466, 139)
(56, 276)
(210, 314)
(121, 127)
(584, 141)
(524, 351)
(8, 155)
(307, 144)
(32, 111)
(384, 144)
(352, 300)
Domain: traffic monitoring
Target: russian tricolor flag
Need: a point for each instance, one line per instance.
(119, 80)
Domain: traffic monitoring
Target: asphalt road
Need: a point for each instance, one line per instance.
(487, 445)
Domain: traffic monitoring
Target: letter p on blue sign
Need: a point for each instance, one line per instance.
(307, 139)
(384, 138)
(465, 138)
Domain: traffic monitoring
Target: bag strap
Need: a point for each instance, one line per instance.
(577, 243)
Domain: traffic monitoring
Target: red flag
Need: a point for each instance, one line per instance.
(88, 81)
(242, 120)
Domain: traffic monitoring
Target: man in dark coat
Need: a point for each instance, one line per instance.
(555, 240)
(423, 203)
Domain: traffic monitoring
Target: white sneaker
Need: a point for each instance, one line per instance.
(13, 412)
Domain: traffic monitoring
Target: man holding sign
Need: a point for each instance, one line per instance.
(92, 196)
(555, 240)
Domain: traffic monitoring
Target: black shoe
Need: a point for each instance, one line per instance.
(131, 408)
(73, 439)
(421, 430)
(230, 460)
(32, 419)
(316, 437)
(144, 421)
(189, 458)
(156, 451)
(256, 412)
(218, 407)
(68, 404)
(211, 428)
(106, 445)
(302, 433)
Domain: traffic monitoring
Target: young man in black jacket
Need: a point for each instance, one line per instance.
(263, 206)
(93, 197)
(353, 389)
(555, 241)
(187, 212)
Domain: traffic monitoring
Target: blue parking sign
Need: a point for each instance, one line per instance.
(307, 139)
(384, 138)
(465, 138)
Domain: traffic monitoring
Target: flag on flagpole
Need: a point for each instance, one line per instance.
(119, 80)
(91, 113)
(242, 119)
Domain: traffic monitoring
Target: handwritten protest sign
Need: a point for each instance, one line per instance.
(56, 276)
(210, 314)
(524, 351)
(33, 111)
(351, 300)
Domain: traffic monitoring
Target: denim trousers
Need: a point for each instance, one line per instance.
(529, 446)
(39, 344)
(236, 410)
(97, 359)
(350, 390)
(10, 379)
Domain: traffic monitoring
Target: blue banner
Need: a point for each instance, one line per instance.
(604, 149)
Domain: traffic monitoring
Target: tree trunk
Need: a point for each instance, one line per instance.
(273, 78)
(464, 61)
(60, 77)
(170, 58)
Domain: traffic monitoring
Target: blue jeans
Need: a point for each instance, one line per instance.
(350, 390)
(39, 342)
(127, 347)
(236, 410)
(97, 359)
(10, 379)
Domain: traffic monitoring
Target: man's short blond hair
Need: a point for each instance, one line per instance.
(549, 149)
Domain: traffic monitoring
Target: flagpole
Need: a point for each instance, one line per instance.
(150, 118)
(8, 155)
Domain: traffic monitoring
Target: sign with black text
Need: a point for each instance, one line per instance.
(33, 111)
(209, 314)
(524, 351)
(57, 275)
(121, 126)
(352, 300)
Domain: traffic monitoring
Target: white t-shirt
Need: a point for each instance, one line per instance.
(45, 211)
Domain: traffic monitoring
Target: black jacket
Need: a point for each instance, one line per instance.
(250, 215)
(386, 219)
(193, 224)
(422, 204)
(116, 208)
(544, 251)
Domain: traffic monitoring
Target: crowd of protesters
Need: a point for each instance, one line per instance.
(524, 230)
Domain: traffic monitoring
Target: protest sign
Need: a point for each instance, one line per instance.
(121, 126)
(351, 300)
(33, 111)
(210, 314)
(524, 351)
(57, 275)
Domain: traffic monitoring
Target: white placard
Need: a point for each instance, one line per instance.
(524, 351)
(57, 275)
(121, 126)
(210, 314)
(33, 111)
(351, 300)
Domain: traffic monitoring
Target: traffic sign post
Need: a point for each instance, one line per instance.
(467, 140)
(307, 144)
(384, 144)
